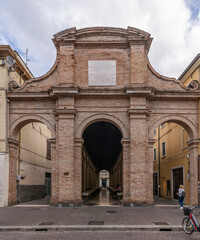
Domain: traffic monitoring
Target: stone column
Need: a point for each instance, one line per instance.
(138, 136)
(193, 148)
(12, 189)
(54, 172)
(149, 172)
(66, 155)
(78, 170)
(126, 171)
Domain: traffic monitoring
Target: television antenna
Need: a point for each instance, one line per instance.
(26, 56)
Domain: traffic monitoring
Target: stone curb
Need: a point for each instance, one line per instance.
(92, 228)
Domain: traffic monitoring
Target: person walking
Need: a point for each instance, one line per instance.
(181, 196)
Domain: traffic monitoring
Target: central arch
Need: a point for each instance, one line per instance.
(102, 117)
(102, 150)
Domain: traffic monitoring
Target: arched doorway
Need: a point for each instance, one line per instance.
(175, 159)
(102, 150)
(30, 161)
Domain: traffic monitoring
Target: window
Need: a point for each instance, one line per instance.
(154, 154)
(163, 149)
(48, 150)
(154, 133)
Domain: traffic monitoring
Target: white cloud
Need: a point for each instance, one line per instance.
(31, 24)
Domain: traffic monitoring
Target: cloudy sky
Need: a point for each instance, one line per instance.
(173, 24)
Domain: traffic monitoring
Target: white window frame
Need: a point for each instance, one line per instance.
(162, 149)
(154, 154)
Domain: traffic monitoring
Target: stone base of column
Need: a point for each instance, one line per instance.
(150, 202)
(12, 202)
(54, 201)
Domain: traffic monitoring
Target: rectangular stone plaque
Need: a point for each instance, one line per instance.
(102, 72)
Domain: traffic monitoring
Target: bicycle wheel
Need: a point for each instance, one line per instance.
(187, 225)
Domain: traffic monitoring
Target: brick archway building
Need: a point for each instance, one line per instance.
(103, 74)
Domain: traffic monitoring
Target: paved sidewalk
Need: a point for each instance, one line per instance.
(38, 215)
(35, 217)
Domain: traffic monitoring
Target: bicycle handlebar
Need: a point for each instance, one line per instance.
(193, 207)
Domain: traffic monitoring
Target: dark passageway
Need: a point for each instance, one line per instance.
(102, 150)
(102, 141)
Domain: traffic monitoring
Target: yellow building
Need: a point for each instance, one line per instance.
(33, 165)
(171, 152)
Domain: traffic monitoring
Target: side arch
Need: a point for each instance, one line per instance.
(102, 117)
(23, 120)
(186, 123)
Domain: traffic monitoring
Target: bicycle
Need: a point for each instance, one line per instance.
(190, 223)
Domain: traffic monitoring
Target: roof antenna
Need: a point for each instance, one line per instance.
(27, 60)
(26, 56)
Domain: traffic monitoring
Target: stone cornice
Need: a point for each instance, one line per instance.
(177, 94)
(65, 111)
(125, 142)
(129, 91)
(138, 111)
(78, 142)
(21, 95)
(64, 90)
(193, 143)
(151, 142)
(139, 91)
(12, 142)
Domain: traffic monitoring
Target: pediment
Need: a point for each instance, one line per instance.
(102, 35)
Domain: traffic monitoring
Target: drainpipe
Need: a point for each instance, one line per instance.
(19, 152)
(18, 167)
(159, 190)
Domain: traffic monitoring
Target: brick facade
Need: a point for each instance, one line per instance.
(140, 101)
